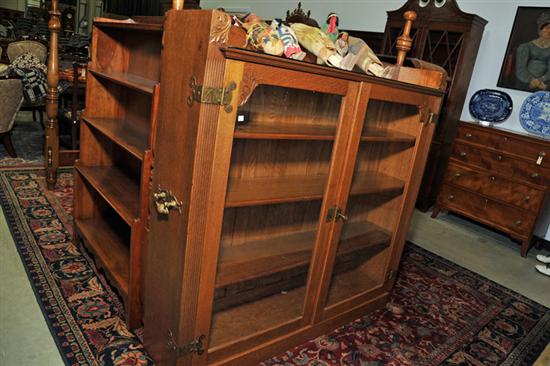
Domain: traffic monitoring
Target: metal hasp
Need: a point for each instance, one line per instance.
(219, 96)
(335, 213)
(166, 201)
(194, 347)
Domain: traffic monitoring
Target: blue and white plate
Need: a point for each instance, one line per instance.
(488, 105)
(534, 114)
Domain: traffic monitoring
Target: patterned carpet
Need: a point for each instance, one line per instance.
(439, 313)
(28, 141)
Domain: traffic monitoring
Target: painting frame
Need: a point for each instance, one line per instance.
(524, 31)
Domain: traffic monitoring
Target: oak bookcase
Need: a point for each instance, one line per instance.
(281, 190)
(112, 175)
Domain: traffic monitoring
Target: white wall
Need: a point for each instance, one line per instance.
(370, 15)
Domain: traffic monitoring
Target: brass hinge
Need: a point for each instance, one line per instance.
(219, 96)
(194, 347)
(390, 275)
(335, 213)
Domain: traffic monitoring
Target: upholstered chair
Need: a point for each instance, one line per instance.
(11, 97)
(18, 48)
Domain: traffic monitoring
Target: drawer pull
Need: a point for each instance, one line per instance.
(468, 135)
(535, 175)
(451, 197)
(457, 175)
(527, 198)
(493, 178)
(542, 154)
(499, 157)
(505, 139)
(463, 154)
(518, 222)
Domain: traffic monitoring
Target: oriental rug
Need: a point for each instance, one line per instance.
(439, 312)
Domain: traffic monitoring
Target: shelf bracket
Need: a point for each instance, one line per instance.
(207, 95)
(194, 346)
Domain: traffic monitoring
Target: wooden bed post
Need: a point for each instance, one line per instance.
(51, 157)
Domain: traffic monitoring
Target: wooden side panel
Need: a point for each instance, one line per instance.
(183, 162)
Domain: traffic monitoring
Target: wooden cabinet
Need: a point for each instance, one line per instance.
(282, 195)
(498, 178)
(448, 37)
(117, 134)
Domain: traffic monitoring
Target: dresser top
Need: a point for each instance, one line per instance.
(499, 129)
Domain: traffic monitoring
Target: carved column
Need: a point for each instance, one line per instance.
(51, 158)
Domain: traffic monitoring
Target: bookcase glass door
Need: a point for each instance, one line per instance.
(281, 156)
(369, 222)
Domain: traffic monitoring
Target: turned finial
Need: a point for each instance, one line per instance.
(177, 4)
(404, 42)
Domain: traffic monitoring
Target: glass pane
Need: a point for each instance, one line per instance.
(279, 169)
(381, 170)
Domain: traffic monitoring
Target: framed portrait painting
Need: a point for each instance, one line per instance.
(526, 64)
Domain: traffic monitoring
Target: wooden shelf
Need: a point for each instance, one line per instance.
(120, 24)
(261, 191)
(258, 131)
(128, 80)
(130, 137)
(265, 257)
(109, 250)
(387, 136)
(120, 191)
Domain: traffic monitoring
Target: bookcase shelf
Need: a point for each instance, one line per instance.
(119, 191)
(130, 137)
(128, 80)
(110, 251)
(283, 253)
(270, 190)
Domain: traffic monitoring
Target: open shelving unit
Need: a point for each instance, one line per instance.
(113, 173)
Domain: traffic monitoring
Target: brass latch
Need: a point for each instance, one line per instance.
(194, 347)
(429, 119)
(166, 201)
(219, 96)
(335, 213)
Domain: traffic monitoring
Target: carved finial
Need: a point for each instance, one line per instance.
(177, 4)
(404, 42)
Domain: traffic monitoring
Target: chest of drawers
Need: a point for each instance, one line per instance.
(498, 178)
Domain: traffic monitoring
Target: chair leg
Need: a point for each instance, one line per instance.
(6, 140)
(34, 114)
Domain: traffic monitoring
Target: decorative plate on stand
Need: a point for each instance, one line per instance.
(534, 114)
(490, 106)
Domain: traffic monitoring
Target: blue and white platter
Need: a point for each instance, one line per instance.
(489, 105)
(534, 114)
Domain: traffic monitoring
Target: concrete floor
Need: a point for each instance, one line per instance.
(472, 246)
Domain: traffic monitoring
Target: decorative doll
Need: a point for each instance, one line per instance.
(286, 35)
(342, 45)
(331, 27)
(317, 42)
(366, 59)
(261, 36)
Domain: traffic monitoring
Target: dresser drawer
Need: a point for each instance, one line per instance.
(507, 143)
(501, 164)
(488, 211)
(496, 187)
